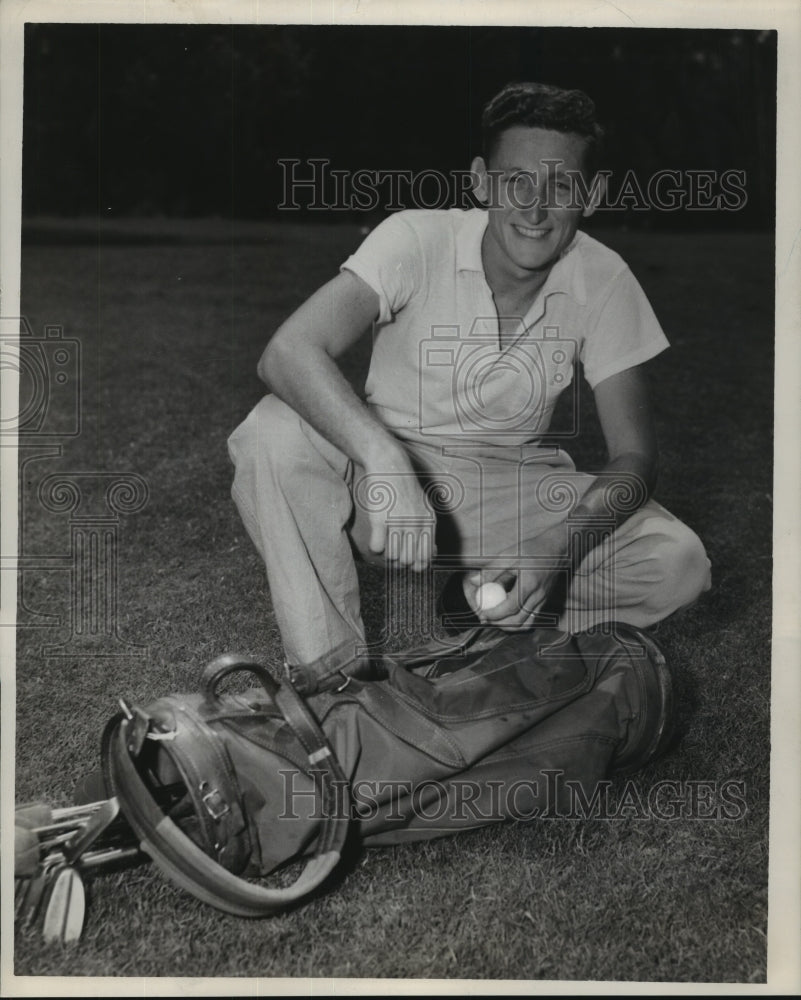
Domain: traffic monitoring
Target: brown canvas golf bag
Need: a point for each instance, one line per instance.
(222, 789)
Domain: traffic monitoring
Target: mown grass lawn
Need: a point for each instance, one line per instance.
(170, 334)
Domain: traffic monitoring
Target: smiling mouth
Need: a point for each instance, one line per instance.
(531, 234)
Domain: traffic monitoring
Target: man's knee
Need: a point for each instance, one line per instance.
(269, 434)
(685, 566)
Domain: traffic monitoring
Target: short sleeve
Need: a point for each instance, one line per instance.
(622, 331)
(391, 261)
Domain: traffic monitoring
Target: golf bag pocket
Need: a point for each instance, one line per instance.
(222, 788)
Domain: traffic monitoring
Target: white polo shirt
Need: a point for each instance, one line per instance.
(437, 368)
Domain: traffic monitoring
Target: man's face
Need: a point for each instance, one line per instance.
(530, 189)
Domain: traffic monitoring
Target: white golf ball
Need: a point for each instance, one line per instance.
(489, 595)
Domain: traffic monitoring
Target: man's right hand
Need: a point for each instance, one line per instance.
(400, 516)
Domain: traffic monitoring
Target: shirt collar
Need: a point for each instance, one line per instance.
(566, 276)
(468, 240)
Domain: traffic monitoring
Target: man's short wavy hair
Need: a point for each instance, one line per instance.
(540, 105)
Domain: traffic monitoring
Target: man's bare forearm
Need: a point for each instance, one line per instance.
(629, 476)
(299, 366)
(622, 487)
(309, 380)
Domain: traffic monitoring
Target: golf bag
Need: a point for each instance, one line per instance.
(222, 789)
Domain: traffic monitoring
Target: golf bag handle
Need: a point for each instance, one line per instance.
(181, 859)
(322, 759)
(230, 663)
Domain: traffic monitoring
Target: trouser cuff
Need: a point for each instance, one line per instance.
(332, 670)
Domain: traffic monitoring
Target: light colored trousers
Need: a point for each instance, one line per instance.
(303, 504)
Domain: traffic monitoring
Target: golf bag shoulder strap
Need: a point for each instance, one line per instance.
(292, 707)
(323, 764)
(210, 780)
(179, 856)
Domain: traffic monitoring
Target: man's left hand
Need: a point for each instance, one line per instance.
(527, 587)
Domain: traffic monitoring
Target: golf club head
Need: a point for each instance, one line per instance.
(65, 908)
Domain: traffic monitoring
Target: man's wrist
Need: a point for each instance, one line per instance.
(553, 543)
(383, 452)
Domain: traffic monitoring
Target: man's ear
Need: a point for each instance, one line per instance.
(478, 168)
(596, 194)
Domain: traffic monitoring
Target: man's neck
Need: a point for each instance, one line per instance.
(514, 287)
(514, 294)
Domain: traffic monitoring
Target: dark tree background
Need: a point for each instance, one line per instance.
(191, 120)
